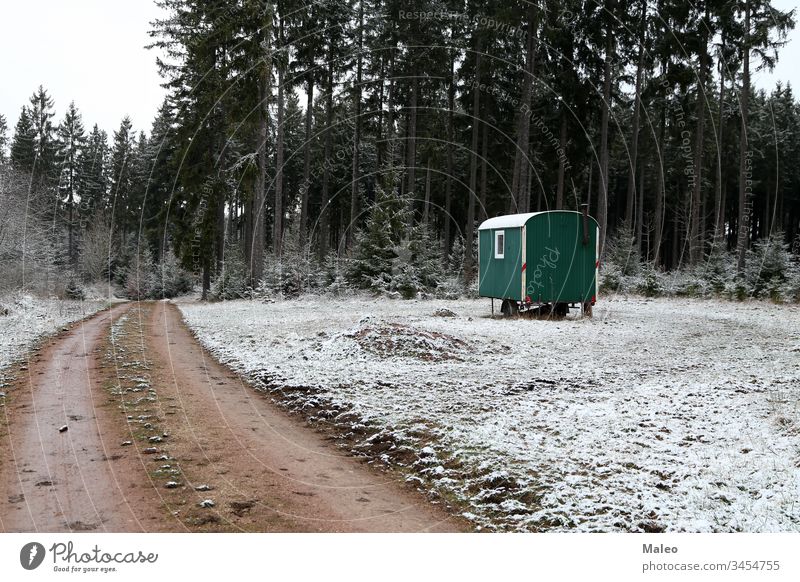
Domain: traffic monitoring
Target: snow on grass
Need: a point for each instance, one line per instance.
(677, 415)
(25, 319)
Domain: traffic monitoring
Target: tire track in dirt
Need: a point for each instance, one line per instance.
(57, 479)
(287, 476)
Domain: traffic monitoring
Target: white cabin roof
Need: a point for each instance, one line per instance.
(507, 221)
(517, 220)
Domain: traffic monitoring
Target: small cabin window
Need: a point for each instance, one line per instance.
(499, 244)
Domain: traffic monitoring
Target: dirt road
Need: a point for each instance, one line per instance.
(66, 481)
(161, 437)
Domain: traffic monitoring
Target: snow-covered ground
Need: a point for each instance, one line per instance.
(25, 319)
(677, 415)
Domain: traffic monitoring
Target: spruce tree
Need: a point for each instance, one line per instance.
(44, 138)
(23, 154)
(71, 140)
(121, 171)
(376, 243)
(94, 173)
(156, 161)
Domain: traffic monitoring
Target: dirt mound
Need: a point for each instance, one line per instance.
(398, 340)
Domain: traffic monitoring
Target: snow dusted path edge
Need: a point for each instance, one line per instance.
(26, 320)
(655, 415)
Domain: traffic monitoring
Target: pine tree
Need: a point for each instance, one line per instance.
(121, 178)
(377, 241)
(94, 173)
(156, 161)
(23, 154)
(71, 140)
(44, 139)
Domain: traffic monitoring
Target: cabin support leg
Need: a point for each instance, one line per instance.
(492, 306)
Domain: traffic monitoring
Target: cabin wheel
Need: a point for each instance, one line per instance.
(562, 309)
(509, 307)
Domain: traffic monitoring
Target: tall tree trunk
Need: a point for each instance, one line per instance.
(265, 74)
(426, 208)
(304, 187)
(675, 261)
(718, 214)
(660, 216)
(744, 195)
(71, 227)
(206, 279)
(277, 229)
(448, 186)
(247, 227)
(356, 127)
(325, 210)
(411, 148)
(219, 227)
(602, 195)
(640, 205)
(637, 105)
(519, 179)
(380, 145)
(695, 242)
(390, 124)
(484, 164)
(473, 164)
(589, 187)
(562, 160)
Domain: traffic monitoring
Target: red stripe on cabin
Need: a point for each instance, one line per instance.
(523, 266)
(597, 265)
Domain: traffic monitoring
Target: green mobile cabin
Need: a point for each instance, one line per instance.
(539, 258)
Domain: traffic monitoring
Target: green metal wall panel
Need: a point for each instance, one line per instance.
(500, 278)
(560, 268)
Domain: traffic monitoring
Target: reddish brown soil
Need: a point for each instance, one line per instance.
(69, 481)
(265, 470)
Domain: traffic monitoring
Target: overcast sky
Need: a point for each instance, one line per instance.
(92, 52)
(88, 51)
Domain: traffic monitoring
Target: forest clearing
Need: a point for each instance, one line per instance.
(655, 415)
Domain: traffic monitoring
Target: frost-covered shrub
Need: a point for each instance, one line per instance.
(339, 287)
(138, 274)
(768, 268)
(621, 252)
(146, 279)
(74, 290)
(232, 282)
(168, 279)
(97, 249)
(691, 282)
(455, 260)
(417, 266)
(611, 278)
(405, 281)
(289, 275)
(333, 280)
(451, 288)
(649, 284)
(283, 277)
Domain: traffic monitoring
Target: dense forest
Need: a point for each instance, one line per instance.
(358, 143)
